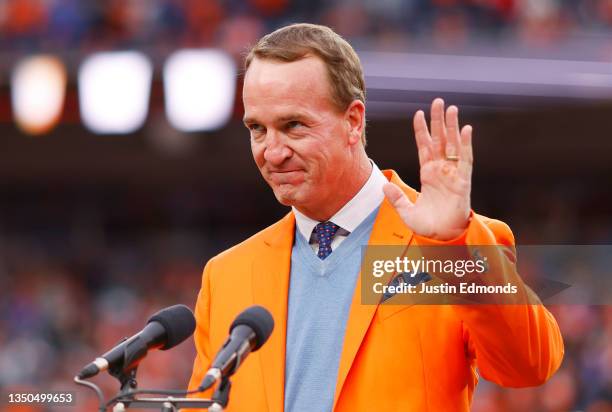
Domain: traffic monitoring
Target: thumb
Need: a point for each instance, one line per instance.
(398, 199)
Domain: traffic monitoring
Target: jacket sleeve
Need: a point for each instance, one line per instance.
(514, 345)
(201, 335)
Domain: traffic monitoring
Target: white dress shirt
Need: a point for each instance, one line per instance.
(369, 197)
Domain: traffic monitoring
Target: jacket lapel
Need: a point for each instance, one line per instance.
(389, 229)
(271, 271)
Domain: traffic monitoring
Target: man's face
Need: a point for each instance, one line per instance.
(298, 138)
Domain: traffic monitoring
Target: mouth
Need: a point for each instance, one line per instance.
(280, 177)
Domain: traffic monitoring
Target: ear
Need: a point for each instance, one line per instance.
(355, 120)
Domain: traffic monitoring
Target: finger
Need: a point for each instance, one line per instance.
(452, 132)
(423, 140)
(466, 157)
(437, 129)
(398, 200)
(424, 156)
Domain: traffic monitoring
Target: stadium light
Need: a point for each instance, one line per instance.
(114, 90)
(199, 87)
(38, 90)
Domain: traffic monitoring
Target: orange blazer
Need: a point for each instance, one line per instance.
(394, 357)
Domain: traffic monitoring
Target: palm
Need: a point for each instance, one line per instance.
(442, 209)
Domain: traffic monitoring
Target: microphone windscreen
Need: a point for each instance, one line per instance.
(260, 320)
(179, 323)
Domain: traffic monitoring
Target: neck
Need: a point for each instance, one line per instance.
(352, 181)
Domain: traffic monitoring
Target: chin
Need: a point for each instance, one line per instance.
(285, 201)
(284, 197)
(288, 196)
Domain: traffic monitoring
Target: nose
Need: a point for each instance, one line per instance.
(276, 150)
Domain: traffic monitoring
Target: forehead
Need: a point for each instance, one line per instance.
(271, 86)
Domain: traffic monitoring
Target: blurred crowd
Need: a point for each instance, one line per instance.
(70, 291)
(232, 24)
(63, 306)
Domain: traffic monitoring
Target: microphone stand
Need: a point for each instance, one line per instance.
(126, 398)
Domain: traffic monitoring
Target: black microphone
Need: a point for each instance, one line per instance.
(165, 329)
(249, 331)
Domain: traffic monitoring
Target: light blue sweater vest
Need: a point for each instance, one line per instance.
(320, 295)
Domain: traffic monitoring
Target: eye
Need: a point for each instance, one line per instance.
(294, 124)
(255, 128)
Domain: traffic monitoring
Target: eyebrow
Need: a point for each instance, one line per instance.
(248, 120)
(294, 116)
(282, 119)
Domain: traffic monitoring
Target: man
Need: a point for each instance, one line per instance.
(304, 97)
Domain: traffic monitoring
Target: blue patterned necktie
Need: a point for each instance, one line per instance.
(325, 232)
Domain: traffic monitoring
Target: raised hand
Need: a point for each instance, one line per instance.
(442, 210)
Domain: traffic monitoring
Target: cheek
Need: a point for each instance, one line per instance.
(258, 153)
(313, 159)
(324, 159)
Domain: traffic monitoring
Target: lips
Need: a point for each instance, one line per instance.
(280, 177)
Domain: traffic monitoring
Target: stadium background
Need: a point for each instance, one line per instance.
(98, 231)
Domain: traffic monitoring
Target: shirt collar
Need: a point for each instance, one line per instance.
(369, 197)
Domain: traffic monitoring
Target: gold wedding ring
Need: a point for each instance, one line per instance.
(452, 158)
